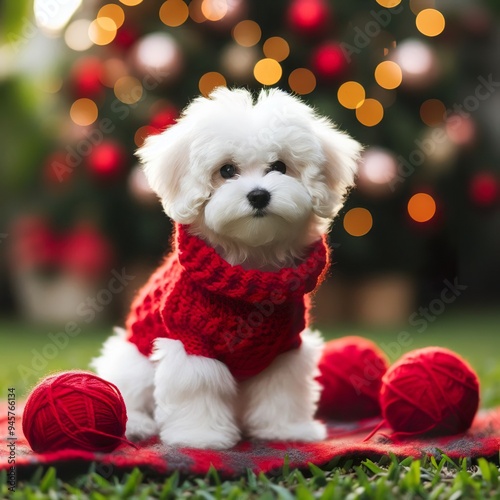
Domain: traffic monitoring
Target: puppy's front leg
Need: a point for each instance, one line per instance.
(194, 397)
(280, 402)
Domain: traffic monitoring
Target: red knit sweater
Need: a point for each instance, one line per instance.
(244, 318)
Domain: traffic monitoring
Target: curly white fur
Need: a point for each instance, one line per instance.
(195, 401)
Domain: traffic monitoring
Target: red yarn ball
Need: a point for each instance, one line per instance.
(430, 391)
(351, 371)
(74, 410)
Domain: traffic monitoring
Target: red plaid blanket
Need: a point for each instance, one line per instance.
(345, 440)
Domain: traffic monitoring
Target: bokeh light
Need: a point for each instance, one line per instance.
(430, 22)
(370, 113)
(210, 81)
(351, 95)
(377, 169)
(159, 53)
(421, 207)
(114, 12)
(388, 75)
(460, 129)
(418, 63)
(302, 81)
(174, 13)
(142, 133)
(52, 17)
(267, 71)
(77, 37)
(131, 3)
(247, 33)
(84, 112)
(195, 12)
(128, 90)
(237, 62)
(102, 31)
(113, 69)
(276, 48)
(484, 189)
(432, 112)
(214, 10)
(358, 221)
(388, 4)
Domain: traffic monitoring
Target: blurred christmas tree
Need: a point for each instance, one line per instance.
(85, 82)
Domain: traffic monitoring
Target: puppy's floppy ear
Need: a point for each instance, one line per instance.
(165, 159)
(339, 169)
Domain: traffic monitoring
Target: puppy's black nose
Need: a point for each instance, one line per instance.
(259, 198)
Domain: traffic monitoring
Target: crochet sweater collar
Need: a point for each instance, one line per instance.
(210, 271)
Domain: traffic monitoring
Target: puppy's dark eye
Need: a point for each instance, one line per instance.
(227, 171)
(278, 166)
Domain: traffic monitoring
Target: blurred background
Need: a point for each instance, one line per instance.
(82, 83)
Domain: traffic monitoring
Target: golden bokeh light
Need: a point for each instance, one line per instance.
(430, 22)
(102, 31)
(247, 33)
(131, 3)
(267, 71)
(113, 12)
(388, 4)
(351, 95)
(421, 207)
(173, 13)
(113, 69)
(214, 10)
(128, 89)
(276, 48)
(210, 81)
(84, 112)
(195, 12)
(432, 112)
(417, 5)
(370, 113)
(302, 81)
(51, 85)
(358, 221)
(388, 75)
(141, 134)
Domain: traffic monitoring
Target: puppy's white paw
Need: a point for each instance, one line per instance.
(140, 426)
(311, 430)
(200, 438)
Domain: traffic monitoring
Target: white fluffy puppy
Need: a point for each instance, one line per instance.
(258, 181)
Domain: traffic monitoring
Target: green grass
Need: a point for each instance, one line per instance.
(476, 336)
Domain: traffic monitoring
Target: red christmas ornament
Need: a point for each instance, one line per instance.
(74, 410)
(87, 253)
(163, 119)
(329, 61)
(351, 371)
(309, 17)
(430, 391)
(86, 78)
(483, 190)
(107, 160)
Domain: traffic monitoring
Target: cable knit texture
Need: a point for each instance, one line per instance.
(244, 318)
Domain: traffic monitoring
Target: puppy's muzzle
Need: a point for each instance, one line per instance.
(259, 198)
